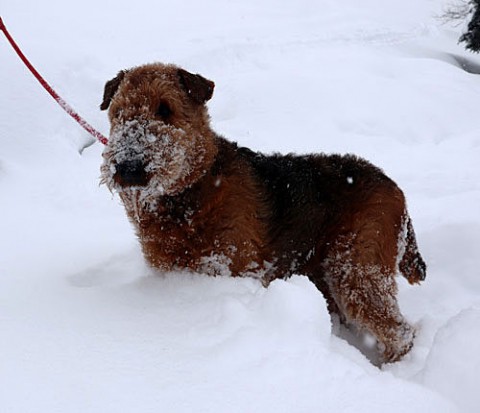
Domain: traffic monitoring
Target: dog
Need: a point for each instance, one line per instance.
(200, 202)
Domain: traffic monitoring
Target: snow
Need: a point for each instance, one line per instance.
(86, 327)
(456, 336)
(132, 140)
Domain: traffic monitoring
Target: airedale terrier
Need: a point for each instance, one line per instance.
(200, 202)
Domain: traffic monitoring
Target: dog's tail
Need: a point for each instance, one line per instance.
(411, 264)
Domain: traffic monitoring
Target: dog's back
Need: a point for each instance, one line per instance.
(309, 196)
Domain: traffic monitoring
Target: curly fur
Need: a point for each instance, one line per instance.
(200, 202)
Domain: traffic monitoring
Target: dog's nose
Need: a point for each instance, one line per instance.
(131, 173)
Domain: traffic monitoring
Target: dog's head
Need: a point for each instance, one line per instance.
(160, 138)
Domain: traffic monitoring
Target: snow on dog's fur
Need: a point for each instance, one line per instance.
(200, 202)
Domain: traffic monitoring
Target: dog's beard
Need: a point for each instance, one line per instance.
(168, 154)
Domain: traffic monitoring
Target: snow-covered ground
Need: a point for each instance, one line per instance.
(85, 326)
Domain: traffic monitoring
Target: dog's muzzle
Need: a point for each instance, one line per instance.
(131, 173)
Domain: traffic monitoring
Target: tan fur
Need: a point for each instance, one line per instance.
(361, 266)
(199, 202)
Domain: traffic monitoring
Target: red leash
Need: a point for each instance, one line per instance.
(65, 106)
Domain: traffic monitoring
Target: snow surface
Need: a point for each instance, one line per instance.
(86, 327)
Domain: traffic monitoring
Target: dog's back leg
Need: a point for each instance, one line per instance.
(360, 269)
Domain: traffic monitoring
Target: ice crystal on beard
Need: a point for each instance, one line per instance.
(166, 151)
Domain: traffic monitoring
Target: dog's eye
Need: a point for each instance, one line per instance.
(164, 111)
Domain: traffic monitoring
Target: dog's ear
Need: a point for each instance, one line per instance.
(196, 86)
(110, 88)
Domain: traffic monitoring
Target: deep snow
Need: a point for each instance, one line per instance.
(86, 327)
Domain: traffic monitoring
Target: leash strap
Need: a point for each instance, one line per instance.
(65, 106)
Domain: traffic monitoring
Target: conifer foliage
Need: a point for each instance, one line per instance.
(471, 37)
